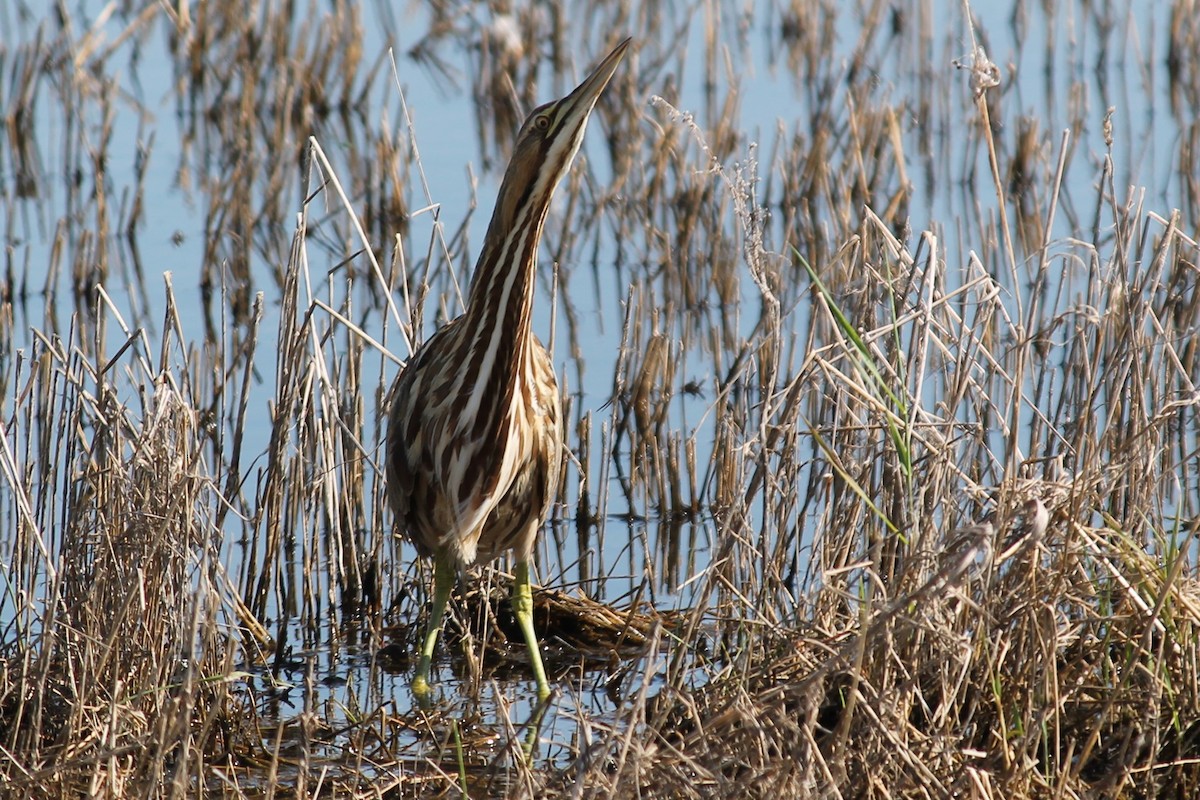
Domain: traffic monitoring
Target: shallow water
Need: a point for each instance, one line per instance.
(756, 84)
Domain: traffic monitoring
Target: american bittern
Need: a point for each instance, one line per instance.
(474, 436)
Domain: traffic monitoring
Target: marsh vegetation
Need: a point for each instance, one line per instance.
(877, 336)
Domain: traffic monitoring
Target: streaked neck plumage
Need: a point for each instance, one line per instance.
(500, 300)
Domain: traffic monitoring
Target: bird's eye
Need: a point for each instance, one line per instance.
(542, 122)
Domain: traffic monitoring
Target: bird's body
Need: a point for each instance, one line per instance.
(474, 439)
(465, 476)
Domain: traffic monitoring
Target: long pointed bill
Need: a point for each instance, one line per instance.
(589, 91)
(572, 111)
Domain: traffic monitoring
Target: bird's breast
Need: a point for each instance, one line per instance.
(477, 458)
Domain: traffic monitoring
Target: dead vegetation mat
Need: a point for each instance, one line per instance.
(1050, 675)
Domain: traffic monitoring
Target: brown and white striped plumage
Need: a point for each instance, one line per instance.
(474, 449)
(475, 438)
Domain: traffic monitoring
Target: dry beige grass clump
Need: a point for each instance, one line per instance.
(106, 681)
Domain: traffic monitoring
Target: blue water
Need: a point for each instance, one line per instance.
(1060, 70)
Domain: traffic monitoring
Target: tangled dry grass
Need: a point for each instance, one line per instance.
(893, 495)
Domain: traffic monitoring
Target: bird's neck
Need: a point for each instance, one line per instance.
(500, 300)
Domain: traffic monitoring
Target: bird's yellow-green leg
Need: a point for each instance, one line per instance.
(444, 573)
(522, 603)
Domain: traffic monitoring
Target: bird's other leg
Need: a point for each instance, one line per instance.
(522, 603)
(444, 573)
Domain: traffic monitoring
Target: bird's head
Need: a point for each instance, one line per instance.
(547, 142)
